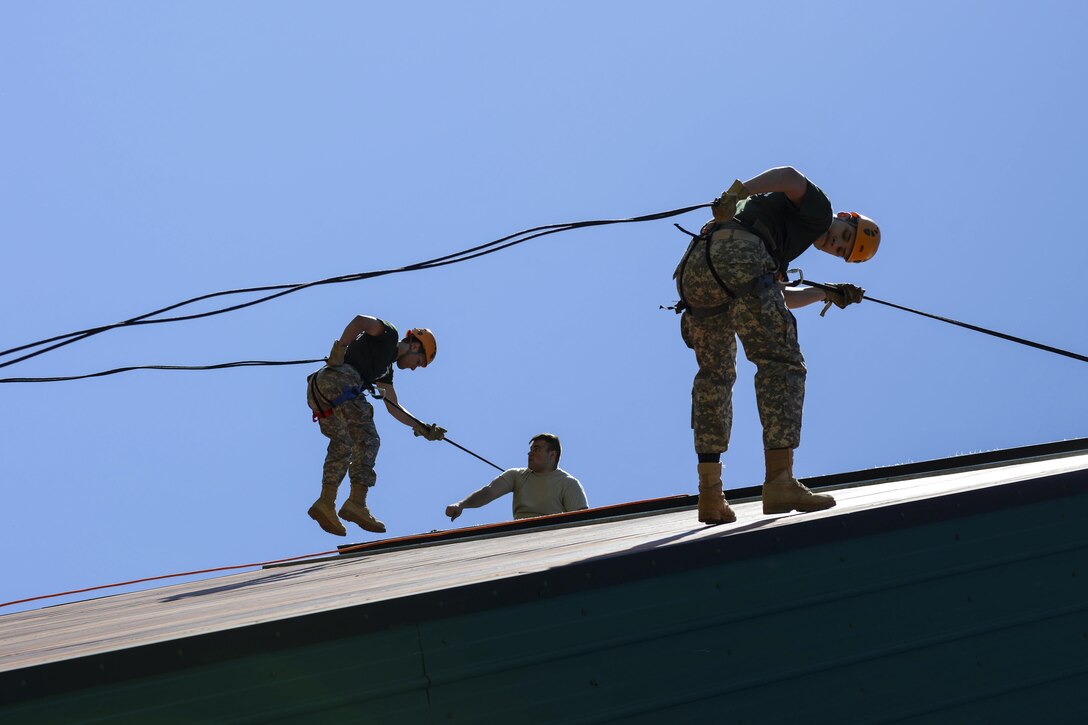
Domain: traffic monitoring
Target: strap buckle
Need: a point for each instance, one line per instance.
(678, 307)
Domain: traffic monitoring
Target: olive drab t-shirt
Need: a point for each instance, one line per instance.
(791, 229)
(373, 355)
(540, 494)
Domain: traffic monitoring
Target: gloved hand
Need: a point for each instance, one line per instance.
(725, 206)
(431, 432)
(841, 295)
(336, 355)
(454, 510)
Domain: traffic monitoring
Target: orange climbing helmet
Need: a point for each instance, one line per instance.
(426, 340)
(866, 236)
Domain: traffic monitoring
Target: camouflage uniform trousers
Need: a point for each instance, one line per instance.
(767, 330)
(353, 438)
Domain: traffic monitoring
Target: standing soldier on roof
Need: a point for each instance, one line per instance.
(729, 281)
(362, 357)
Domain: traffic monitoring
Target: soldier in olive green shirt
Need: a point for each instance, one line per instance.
(541, 489)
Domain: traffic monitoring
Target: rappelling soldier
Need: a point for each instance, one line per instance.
(360, 361)
(731, 282)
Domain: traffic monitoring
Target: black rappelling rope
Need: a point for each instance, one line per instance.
(256, 363)
(217, 366)
(238, 364)
(462, 256)
(285, 289)
(976, 328)
(417, 420)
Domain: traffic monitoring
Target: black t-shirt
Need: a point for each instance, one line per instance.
(788, 230)
(373, 355)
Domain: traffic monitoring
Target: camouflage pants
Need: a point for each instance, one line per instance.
(353, 438)
(767, 330)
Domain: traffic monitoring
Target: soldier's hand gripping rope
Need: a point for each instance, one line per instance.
(434, 432)
(841, 295)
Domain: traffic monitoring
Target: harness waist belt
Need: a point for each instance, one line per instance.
(701, 312)
(350, 392)
(753, 288)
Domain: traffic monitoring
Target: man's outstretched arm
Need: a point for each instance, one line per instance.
(481, 497)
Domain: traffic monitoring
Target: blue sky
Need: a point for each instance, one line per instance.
(156, 151)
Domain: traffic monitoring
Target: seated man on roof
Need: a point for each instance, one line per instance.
(540, 489)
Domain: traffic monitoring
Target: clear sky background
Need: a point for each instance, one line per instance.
(154, 151)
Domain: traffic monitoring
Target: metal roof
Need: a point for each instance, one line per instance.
(420, 578)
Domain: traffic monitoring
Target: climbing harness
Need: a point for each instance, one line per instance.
(350, 392)
(754, 287)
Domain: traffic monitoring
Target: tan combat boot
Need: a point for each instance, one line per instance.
(324, 512)
(782, 492)
(713, 508)
(355, 511)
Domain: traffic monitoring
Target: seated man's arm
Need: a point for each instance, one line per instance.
(499, 487)
(574, 496)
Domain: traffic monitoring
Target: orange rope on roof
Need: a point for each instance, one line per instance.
(381, 543)
(166, 576)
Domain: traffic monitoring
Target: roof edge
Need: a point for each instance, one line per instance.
(648, 507)
(153, 659)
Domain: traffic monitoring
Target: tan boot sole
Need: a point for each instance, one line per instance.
(714, 516)
(711, 520)
(785, 508)
(372, 524)
(331, 526)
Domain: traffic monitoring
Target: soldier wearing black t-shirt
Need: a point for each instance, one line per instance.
(730, 286)
(362, 357)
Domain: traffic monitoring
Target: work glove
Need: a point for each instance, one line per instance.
(841, 295)
(336, 355)
(431, 432)
(725, 206)
(454, 510)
